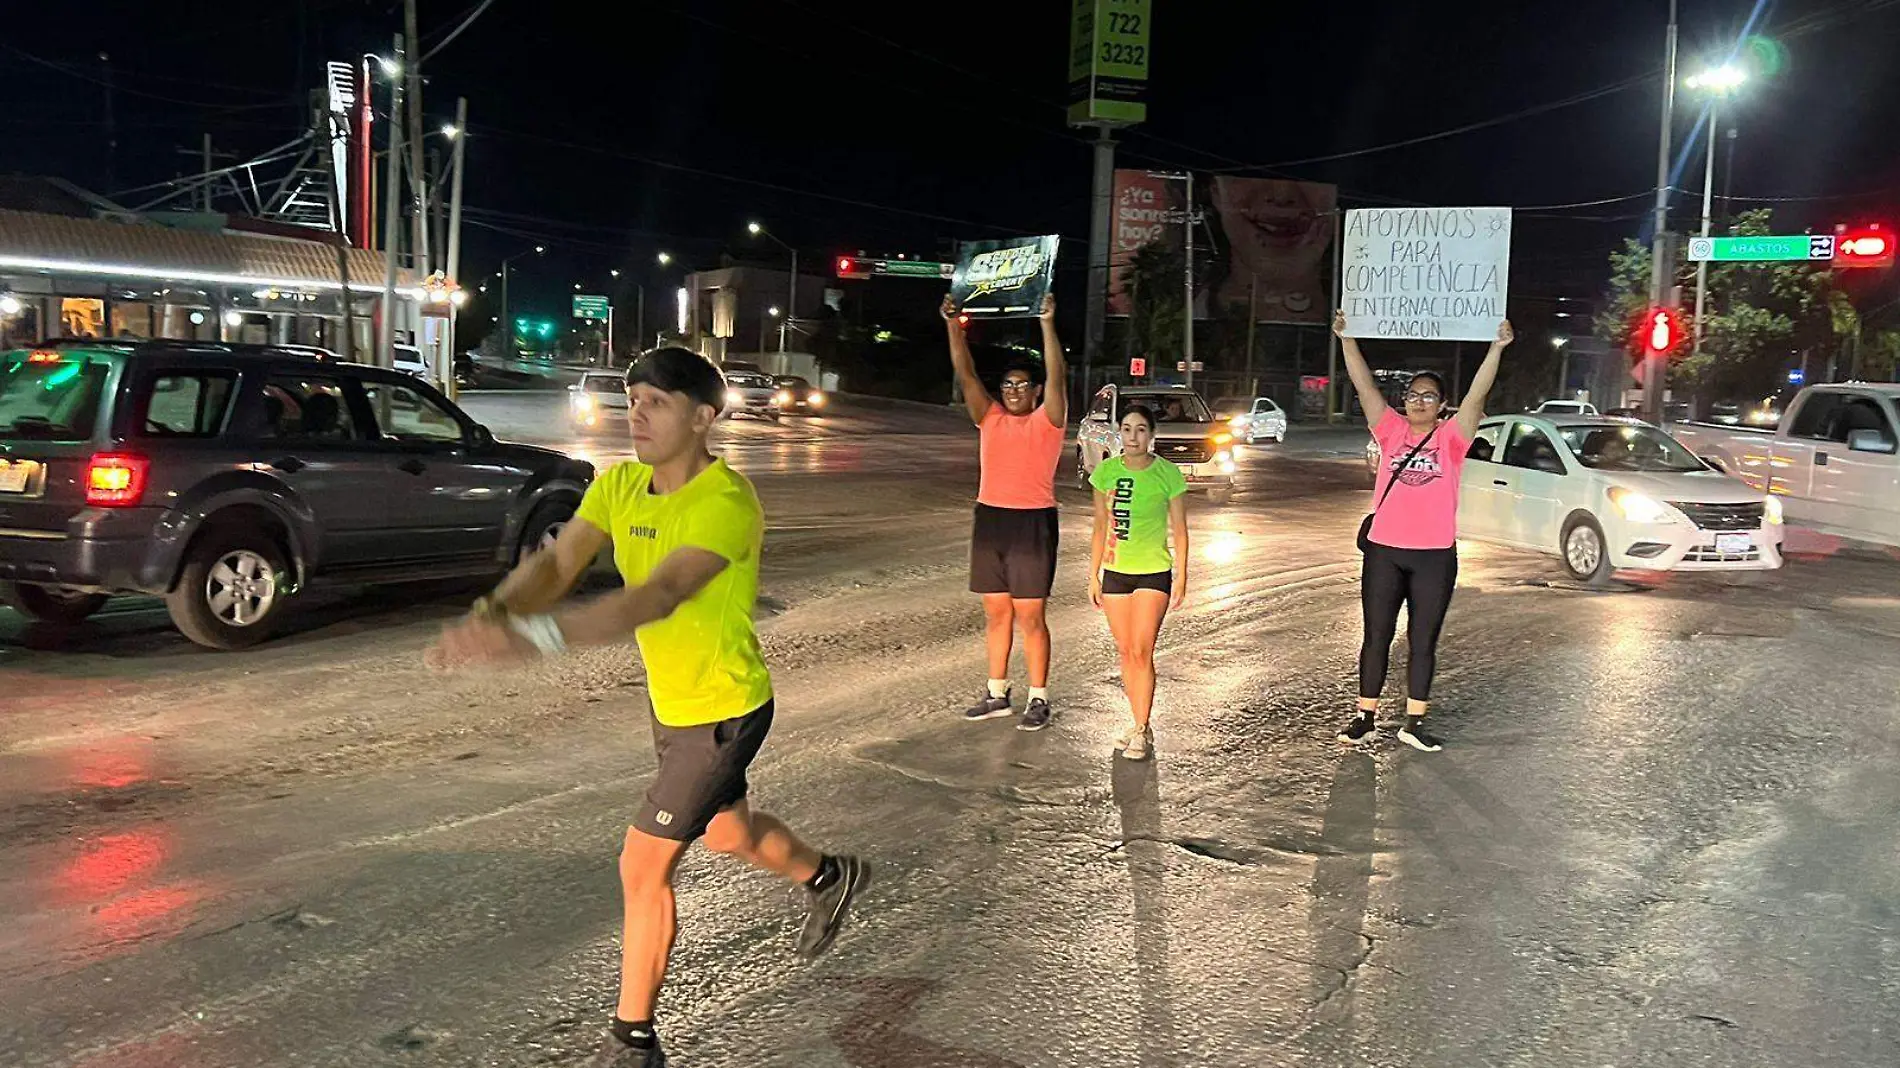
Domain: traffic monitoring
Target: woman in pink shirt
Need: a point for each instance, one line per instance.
(1410, 540)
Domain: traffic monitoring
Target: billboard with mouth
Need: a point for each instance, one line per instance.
(1279, 238)
(1272, 240)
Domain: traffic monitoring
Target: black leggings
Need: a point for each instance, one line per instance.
(1421, 579)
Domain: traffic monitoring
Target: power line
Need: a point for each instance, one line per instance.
(457, 31)
(1540, 109)
(667, 165)
(83, 76)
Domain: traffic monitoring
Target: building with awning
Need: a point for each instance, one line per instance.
(75, 265)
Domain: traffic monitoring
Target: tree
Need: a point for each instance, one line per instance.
(1156, 301)
(1760, 319)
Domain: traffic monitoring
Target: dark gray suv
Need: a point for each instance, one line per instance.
(228, 478)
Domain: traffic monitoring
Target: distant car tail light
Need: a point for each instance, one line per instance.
(116, 479)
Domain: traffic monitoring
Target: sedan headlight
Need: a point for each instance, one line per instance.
(782, 397)
(1237, 422)
(1640, 508)
(1222, 438)
(583, 402)
(734, 397)
(1771, 511)
(816, 400)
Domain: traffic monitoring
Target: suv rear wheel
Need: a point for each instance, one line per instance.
(50, 604)
(543, 527)
(232, 590)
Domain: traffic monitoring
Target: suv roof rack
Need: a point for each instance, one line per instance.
(218, 348)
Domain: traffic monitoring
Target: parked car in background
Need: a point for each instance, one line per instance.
(1566, 407)
(228, 479)
(751, 393)
(1252, 419)
(797, 396)
(599, 401)
(1834, 460)
(1604, 494)
(1186, 432)
(409, 360)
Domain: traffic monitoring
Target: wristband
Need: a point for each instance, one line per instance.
(541, 631)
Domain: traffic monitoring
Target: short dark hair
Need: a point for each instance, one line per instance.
(1436, 381)
(1147, 414)
(680, 370)
(1032, 368)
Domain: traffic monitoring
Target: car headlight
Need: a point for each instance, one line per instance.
(583, 401)
(1640, 508)
(1771, 511)
(1225, 459)
(816, 400)
(1237, 422)
(1222, 438)
(783, 396)
(734, 397)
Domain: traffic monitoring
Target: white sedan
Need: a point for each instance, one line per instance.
(1611, 494)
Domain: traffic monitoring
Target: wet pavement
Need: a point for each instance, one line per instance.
(1661, 833)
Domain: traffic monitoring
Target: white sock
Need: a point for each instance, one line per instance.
(1039, 693)
(999, 688)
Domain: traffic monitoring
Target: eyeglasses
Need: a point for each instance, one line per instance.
(1422, 398)
(1019, 385)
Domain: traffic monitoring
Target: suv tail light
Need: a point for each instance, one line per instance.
(116, 479)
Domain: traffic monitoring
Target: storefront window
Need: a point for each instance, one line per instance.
(131, 319)
(82, 317)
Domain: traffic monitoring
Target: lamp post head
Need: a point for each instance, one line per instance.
(665, 258)
(754, 229)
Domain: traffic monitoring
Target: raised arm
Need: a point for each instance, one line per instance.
(1055, 391)
(1363, 381)
(1471, 409)
(975, 397)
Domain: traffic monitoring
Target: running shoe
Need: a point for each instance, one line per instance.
(1036, 716)
(617, 1054)
(1357, 729)
(988, 708)
(1141, 744)
(829, 905)
(1414, 735)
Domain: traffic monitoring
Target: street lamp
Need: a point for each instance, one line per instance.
(509, 344)
(791, 297)
(665, 258)
(451, 131)
(1718, 83)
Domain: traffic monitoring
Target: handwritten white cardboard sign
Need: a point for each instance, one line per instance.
(1426, 274)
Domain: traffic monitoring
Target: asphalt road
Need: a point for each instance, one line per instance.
(1662, 832)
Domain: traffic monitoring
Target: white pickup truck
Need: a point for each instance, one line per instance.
(1834, 460)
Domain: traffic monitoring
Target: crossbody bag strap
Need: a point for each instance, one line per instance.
(1404, 464)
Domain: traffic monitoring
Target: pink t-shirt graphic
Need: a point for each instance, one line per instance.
(1422, 510)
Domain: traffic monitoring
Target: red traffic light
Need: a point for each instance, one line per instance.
(1865, 246)
(1659, 333)
(851, 267)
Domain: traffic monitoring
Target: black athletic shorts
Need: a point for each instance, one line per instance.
(1013, 551)
(1116, 584)
(701, 773)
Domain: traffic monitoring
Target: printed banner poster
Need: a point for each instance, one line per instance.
(1429, 274)
(1000, 279)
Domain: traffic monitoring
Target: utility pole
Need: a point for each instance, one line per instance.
(791, 305)
(1101, 227)
(1253, 315)
(455, 229)
(1339, 299)
(1187, 344)
(392, 222)
(1708, 205)
(412, 72)
(1661, 267)
(342, 260)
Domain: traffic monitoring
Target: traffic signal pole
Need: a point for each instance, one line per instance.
(1660, 267)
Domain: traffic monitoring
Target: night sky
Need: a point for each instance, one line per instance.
(895, 126)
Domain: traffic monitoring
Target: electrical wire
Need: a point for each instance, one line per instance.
(117, 88)
(457, 31)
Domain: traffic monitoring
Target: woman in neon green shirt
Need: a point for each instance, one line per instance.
(1133, 577)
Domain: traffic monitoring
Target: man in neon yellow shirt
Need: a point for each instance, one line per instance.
(686, 532)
